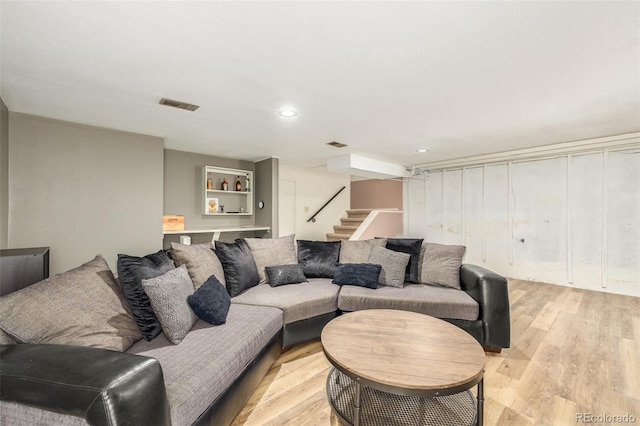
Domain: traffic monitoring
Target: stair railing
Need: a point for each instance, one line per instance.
(313, 218)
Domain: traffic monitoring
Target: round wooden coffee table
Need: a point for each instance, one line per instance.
(398, 367)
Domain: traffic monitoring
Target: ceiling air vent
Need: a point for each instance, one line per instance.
(336, 144)
(178, 104)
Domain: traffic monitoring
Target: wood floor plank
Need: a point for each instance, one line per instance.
(573, 351)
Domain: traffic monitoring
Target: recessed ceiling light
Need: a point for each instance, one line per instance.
(422, 150)
(288, 113)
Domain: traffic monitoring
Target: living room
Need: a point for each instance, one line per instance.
(529, 114)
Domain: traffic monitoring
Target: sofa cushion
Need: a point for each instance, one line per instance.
(394, 265)
(358, 251)
(240, 270)
(210, 358)
(83, 306)
(200, 260)
(272, 252)
(285, 274)
(169, 294)
(131, 271)
(297, 302)
(319, 259)
(441, 264)
(439, 302)
(211, 302)
(5, 339)
(411, 246)
(12, 413)
(358, 274)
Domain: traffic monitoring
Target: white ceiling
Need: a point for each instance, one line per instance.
(386, 78)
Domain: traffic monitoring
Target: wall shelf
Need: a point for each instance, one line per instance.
(229, 202)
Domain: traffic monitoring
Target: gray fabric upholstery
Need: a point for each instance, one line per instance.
(200, 260)
(272, 252)
(441, 302)
(5, 339)
(17, 414)
(83, 306)
(168, 294)
(393, 265)
(358, 251)
(300, 301)
(440, 264)
(210, 358)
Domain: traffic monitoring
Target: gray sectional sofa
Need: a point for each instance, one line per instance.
(209, 375)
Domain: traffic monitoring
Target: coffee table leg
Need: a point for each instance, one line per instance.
(480, 401)
(356, 405)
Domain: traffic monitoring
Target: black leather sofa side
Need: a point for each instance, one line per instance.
(104, 387)
(490, 290)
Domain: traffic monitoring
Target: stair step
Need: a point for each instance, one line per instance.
(337, 237)
(340, 229)
(352, 220)
(358, 212)
(357, 215)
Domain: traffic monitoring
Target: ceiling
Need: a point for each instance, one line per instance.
(387, 78)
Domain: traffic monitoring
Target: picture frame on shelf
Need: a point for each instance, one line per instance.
(213, 205)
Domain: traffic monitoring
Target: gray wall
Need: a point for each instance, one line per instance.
(266, 186)
(4, 175)
(183, 192)
(83, 190)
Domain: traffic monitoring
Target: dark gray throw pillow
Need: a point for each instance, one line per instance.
(240, 271)
(131, 271)
(211, 302)
(285, 274)
(319, 259)
(360, 274)
(413, 247)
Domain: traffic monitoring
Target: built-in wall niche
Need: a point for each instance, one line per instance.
(227, 192)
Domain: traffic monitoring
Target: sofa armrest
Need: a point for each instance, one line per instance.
(491, 292)
(104, 387)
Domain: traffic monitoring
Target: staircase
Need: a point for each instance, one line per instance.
(348, 225)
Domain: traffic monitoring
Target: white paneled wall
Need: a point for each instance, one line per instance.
(573, 219)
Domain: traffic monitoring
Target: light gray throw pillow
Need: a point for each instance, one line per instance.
(441, 264)
(272, 252)
(83, 306)
(358, 251)
(393, 265)
(168, 294)
(200, 260)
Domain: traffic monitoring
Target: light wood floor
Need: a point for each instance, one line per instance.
(572, 351)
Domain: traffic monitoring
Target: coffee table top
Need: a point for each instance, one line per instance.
(403, 351)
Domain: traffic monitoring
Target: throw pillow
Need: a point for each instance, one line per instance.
(240, 270)
(168, 294)
(211, 302)
(441, 264)
(272, 252)
(5, 339)
(360, 274)
(131, 271)
(285, 274)
(394, 265)
(200, 260)
(411, 246)
(319, 259)
(358, 251)
(83, 306)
